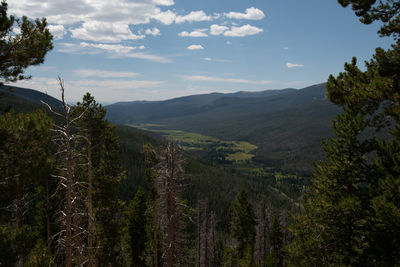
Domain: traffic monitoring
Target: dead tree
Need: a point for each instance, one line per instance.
(264, 220)
(169, 180)
(70, 238)
(206, 235)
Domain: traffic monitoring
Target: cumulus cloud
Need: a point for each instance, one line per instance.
(104, 32)
(201, 78)
(195, 33)
(294, 65)
(286, 48)
(100, 20)
(217, 29)
(164, 2)
(193, 16)
(84, 73)
(195, 47)
(154, 32)
(58, 31)
(251, 13)
(168, 17)
(243, 31)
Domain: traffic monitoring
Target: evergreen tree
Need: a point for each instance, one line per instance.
(24, 49)
(352, 213)
(103, 174)
(136, 222)
(25, 166)
(243, 226)
(275, 238)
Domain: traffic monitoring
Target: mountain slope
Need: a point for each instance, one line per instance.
(287, 125)
(17, 93)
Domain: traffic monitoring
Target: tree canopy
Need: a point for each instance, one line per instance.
(352, 212)
(20, 50)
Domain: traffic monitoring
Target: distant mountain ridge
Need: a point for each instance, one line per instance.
(287, 125)
(30, 95)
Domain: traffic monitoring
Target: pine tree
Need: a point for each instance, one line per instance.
(25, 166)
(275, 238)
(352, 213)
(136, 221)
(24, 49)
(103, 174)
(243, 227)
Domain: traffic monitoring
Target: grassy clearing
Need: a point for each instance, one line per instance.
(235, 151)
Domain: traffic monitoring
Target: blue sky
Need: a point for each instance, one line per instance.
(123, 50)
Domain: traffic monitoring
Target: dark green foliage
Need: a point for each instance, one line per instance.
(243, 225)
(275, 238)
(386, 11)
(136, 221)
(103, 143)
(352, 213)
(24, 49)
(267, 121)
(25, 166)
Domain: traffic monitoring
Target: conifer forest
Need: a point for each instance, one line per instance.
(139, 184)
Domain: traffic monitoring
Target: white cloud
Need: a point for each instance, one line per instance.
(164, 2)
(154, 32)
(104, 74)
(294, 65)
(141, 47)
(150, 57)
(217, 29)
(104, 32)
(243, 31)
(117, 48)
(58, 31)
(216, 59)
(201, 78)
(112, 50)
(195, 47)
(251, 13)
(228, 42)
(96, 20)
(286, 48)
(195, 33)
(168, 17)
(193, 16)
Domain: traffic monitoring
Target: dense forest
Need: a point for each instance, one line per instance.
(77, 190)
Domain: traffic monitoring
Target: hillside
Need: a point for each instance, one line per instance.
(203, 178)
(287, 125)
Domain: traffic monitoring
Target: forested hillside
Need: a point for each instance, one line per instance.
(203, 180)
(287, 125)
(206, 183)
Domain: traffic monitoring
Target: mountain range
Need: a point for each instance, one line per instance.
(287, 125)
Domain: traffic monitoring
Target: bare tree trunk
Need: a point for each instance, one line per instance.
(212, 241)
(155, 232)
(168, 180)
(171, 213)
(263, 215)
(70, 174)
(90, 203)
(198, 233)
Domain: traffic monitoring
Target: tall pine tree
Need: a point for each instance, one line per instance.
(352, 213)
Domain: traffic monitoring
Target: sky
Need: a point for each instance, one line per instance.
(127, 50)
